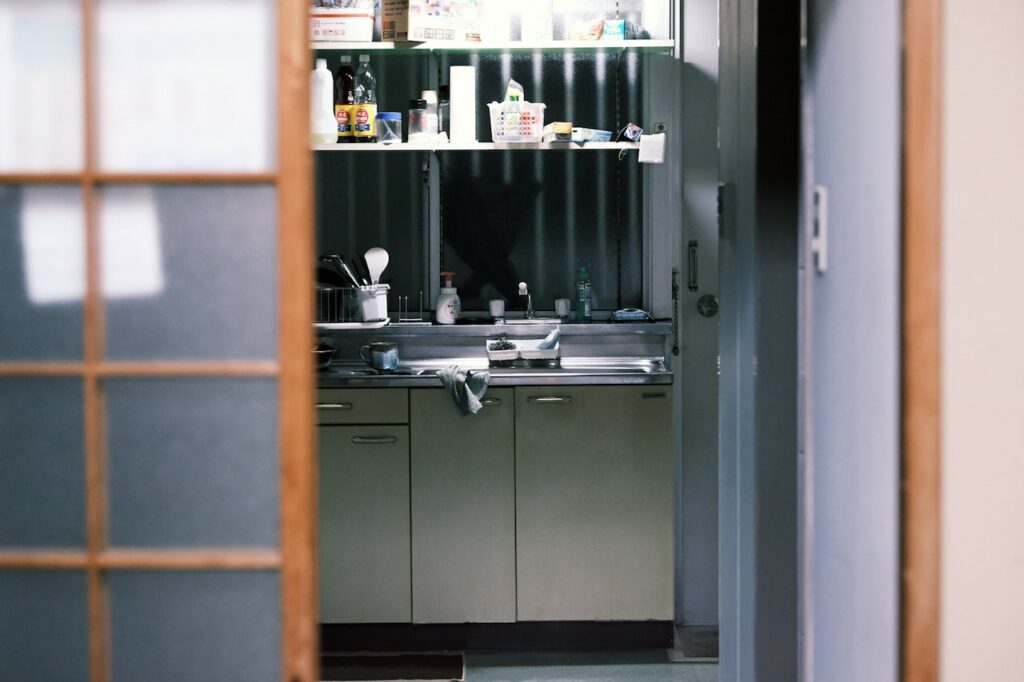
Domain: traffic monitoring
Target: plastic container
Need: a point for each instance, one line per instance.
(373, 302)
(517, 121)
(433, 119)
(419, 130)
(389, 127)
(323, 124)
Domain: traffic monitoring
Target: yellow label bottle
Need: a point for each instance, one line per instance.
(364, 122)
(344, 113)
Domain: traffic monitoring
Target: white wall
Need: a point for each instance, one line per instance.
(983, 342)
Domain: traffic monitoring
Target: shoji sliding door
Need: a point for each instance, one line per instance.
(156, 440)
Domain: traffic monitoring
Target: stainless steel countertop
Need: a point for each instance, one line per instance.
(518, 329)
(574, 371)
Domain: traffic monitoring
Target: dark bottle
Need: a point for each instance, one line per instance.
(345, 98)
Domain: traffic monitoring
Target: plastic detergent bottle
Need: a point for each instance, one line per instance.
(365, 117)
(345, 98)
(323, 125)
(583, 296)
(448, 307)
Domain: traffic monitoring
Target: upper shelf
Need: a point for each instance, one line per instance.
(513, 46)
(477, 147)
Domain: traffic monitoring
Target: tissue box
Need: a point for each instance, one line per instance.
(454, 20)
(590, 135)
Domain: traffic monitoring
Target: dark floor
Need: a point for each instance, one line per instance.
(693, 659)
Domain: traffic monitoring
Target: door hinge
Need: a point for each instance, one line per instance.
(819, 240)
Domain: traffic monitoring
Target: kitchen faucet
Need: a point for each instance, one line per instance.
(525, 291)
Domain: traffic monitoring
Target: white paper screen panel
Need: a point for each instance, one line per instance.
(186, 85)
(41, 87)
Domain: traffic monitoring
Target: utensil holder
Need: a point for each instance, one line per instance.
(373, 302)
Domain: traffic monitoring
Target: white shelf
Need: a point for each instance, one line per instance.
(547, 46)
(477, 147)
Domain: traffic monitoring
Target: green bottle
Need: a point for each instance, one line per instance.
(583, 296)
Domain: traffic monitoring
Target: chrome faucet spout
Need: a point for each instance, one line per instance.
(525, 291)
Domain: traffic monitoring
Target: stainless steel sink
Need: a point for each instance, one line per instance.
(534, 321)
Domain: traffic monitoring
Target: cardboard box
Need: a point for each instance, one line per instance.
(453, 20)
(394, 23)
(340, 25)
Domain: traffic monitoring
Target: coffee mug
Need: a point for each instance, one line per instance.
(382, 355)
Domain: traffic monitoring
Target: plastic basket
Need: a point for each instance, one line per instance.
(517, 121)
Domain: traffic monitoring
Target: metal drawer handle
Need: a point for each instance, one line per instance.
(549, 399)
(374, 440)
(490, 402)
(334, 406)
(654, 396)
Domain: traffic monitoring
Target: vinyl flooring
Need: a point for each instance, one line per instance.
(589, 667)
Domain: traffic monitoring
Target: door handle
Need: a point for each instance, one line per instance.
(654, 396)
(819, 240)
(374, 440)
(490, 402)
(334, 406)
(549, 399)
(693, 282)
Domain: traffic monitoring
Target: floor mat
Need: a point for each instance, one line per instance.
(398, 667)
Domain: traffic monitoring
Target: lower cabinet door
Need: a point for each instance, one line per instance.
(594, 503)
(463, 509)
(364, 524)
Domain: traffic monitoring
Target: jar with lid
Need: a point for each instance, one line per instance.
(389, 127)
(430, 97)
(419, 129)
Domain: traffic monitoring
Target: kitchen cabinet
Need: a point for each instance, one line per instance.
(463, 509)
(594, 503)
(365, 555)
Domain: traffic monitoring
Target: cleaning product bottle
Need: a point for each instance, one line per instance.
(365, 128)
(345, 98)
(583, 296)
(448, 307)
(323, 125)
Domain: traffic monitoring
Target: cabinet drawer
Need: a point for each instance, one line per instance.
(362, 406)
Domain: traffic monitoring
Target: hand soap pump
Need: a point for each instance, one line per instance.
(449, 307)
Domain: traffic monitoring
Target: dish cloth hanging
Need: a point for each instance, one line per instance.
(467, 387)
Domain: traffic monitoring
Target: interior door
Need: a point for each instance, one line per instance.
(850, 341)
(156, 397)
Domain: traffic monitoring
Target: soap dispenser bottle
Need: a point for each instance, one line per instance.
(449, 307)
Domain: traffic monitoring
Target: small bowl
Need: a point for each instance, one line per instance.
(322, 356)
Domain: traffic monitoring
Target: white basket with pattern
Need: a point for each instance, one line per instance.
(517, 121)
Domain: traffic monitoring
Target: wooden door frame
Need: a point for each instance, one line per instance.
(296, 251)
(922, 213)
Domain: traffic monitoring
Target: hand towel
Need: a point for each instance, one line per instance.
(467, 387)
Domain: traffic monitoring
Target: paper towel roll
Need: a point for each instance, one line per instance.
(462, 82)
